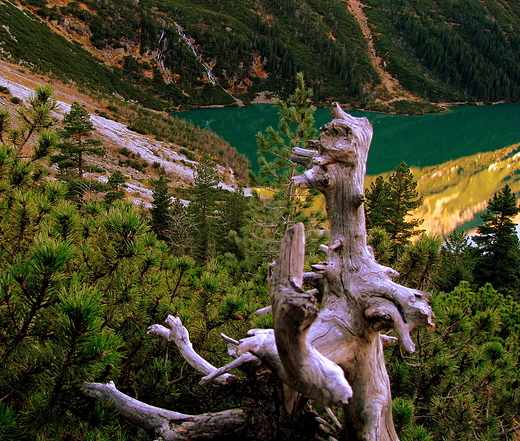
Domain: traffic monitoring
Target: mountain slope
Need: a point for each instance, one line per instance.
(139, 157)
(449, 50)
(456, 191)
(375, 54)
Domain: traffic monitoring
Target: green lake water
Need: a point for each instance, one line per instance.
(418, 140)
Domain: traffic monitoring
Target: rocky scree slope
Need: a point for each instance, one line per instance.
(150, 156)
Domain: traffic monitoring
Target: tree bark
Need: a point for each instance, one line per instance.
(359, 297)
(265, 419)
(331, 355)
(306, 370)
(170, 425)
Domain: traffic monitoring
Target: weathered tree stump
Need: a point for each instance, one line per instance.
(359, 297)
(334, 354)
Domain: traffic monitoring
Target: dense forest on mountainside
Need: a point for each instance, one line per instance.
(451, 50)
(29, 41)
(437, 51)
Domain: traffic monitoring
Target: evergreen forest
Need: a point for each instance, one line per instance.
(177, 54)
(83, 279)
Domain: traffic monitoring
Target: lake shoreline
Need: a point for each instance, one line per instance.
(271, 101)
(422, 140)
(460, 157)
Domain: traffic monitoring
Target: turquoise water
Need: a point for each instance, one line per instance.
(418, 140)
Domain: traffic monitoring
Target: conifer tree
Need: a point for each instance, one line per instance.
(234, 221)
(180, 229)
(205, 198)
(377, 205)
(456, 262)
(461, 383)
(295, 129)
(388, 203)
(5, 122)
(76, 145)
(278, 206)
(51, 334)
(77, 291)
(116, 184)
(161, 207)
(498, 260)
(382, 245)
(34, 118)
(26, 140)
(418, 262)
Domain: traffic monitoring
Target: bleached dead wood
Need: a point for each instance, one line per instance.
(360, 299)
(294, 311)
(179, 335)
(166, 424)
(333, 354)
(236, 363)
